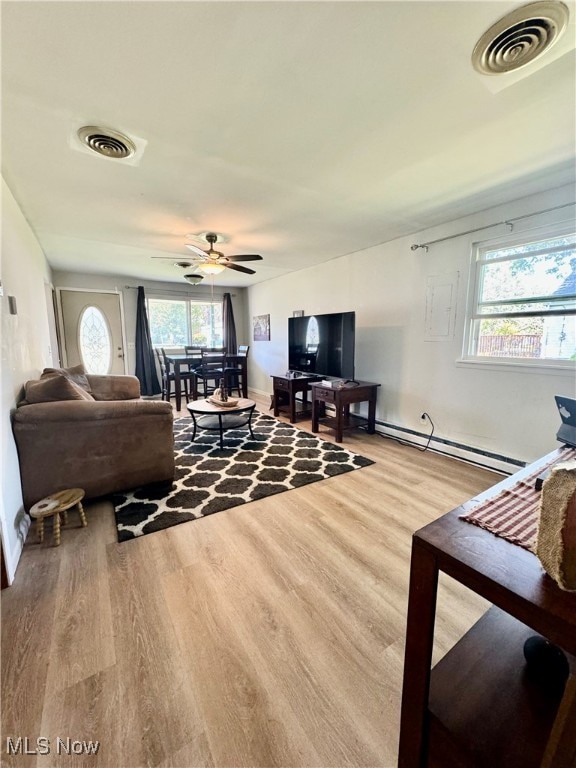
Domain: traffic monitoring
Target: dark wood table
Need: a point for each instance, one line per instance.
(287, 387)
(178, 360)
(342, 398)
(478, 707)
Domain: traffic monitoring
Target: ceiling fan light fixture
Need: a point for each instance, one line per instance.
(194, 279)
(211, 269)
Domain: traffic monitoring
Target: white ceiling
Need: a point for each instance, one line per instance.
(301, 130)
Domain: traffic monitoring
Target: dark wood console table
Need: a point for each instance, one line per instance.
(341, 398)
(285, 388)
(478, 707)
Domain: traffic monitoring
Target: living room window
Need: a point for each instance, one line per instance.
(178, 322)
(523, 301)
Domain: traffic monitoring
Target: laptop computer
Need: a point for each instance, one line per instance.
(567, 410)
(567, 432)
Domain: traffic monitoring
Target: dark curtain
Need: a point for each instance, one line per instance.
(145, 362)
(229, 325)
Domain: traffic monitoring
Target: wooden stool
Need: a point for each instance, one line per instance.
(55, 504)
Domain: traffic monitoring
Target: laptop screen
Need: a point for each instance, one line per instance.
(567, 410)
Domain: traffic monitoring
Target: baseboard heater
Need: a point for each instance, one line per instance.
(481, 458)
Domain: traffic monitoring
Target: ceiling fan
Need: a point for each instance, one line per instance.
(212, 262)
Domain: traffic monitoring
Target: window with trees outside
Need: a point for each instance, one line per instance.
(181, 322)
(524, 303)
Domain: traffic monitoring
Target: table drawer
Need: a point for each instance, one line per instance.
(281, 384)
(325, 394)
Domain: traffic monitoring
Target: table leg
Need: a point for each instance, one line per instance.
(315, 413)
(371, 415)
(276, 398)
(178, 384)
(221, 432)
(40, 527)
(292, 406)
(339, 418)
(244, 367)
(82, 515)
(57, 529)
(418, 658)
(250, 423)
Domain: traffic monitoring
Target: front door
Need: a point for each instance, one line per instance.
(92, 330)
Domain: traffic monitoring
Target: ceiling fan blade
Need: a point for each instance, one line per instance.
(244, 257)
(195, 248)
(238, 268)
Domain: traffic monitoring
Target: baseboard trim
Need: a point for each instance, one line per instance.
(12, 557)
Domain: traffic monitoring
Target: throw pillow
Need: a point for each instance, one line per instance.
(77, 374)
(54, 388)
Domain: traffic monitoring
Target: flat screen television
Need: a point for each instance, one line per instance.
(322, 344)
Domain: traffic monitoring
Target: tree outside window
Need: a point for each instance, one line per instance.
(525, 301)
(181, 322)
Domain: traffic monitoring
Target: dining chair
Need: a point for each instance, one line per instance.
(234, 373)
(169, 378)
(211, 370)
(195, 355)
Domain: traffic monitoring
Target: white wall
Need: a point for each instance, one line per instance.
(25, 344)
(153, 289)
(508, 411)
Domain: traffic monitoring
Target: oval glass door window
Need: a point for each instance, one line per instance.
(95, 341)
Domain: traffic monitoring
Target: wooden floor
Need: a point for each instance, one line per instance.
(271, 634)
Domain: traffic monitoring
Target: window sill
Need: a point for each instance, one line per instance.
(516, 366)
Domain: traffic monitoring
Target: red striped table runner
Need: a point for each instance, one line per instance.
(514, 513)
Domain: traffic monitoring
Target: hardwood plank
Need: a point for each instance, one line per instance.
(82, 608)
(268, 634)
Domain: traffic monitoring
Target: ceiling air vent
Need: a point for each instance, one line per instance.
(520, 37)
(107, 142)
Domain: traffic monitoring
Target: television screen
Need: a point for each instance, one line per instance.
(322, 344)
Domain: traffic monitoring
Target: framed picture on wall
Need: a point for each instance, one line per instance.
(261, 325)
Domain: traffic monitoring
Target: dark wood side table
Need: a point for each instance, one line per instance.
(341, 398)
(478, 707)
(286, 388)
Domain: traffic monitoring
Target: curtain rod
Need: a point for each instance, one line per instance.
(508, 222)
(171, 293)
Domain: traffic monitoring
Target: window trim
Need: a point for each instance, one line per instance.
(472, 327)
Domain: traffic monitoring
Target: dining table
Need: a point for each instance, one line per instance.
(181, 359)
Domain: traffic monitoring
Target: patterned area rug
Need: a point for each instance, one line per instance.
(210, 479)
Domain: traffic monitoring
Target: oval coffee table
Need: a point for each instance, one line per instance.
(207, 415)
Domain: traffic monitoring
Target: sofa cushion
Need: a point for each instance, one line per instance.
(54, 388)
(76, 373)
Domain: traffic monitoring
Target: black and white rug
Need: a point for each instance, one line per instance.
(209, 479)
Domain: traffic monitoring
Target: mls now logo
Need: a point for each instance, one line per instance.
(23, 745)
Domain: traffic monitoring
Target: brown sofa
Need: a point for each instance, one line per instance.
(92, 432)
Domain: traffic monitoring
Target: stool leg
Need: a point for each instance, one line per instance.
(65, 517)
(57, 529)
(40, 527)
(82, 515)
